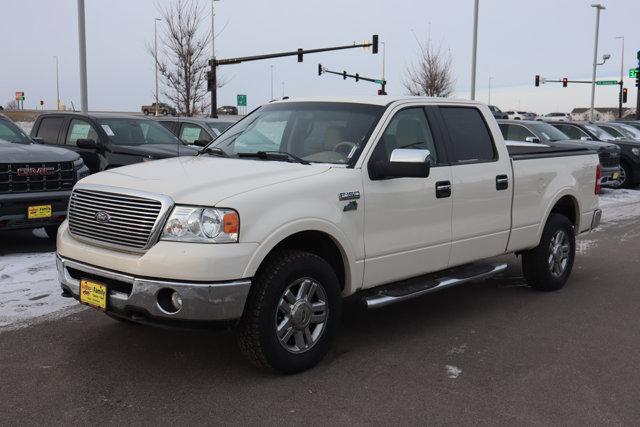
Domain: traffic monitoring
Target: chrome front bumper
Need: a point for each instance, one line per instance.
(218, 301)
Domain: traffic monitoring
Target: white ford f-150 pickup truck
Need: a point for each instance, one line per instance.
(305, 202)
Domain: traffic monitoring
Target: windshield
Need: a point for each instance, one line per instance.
(601, 134)
(131, 131)
(322, 132)
(629, 131)
(12, 133)
(549, 132)
(219, 126)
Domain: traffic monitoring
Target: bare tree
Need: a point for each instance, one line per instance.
(183, 56)
(11, 105)
(431, 75)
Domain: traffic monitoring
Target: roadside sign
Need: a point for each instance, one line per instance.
(633, 73)
(606, 82)
(19, 96)
(242, 100)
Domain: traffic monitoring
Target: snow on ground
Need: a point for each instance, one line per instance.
(619, 205)
(25, 126)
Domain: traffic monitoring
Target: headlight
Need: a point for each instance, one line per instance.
(636, 151)
(205, 225)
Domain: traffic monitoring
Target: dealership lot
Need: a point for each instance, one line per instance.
(488, 352)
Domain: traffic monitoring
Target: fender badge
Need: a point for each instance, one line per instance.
(349, 195)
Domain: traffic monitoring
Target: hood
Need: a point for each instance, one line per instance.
(156, 151)
(202, 180)
(11, 152)
(626, 142)
(595, 145)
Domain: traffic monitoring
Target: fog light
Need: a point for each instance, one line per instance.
(176, 300)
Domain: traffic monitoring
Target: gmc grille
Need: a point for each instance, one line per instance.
(60, 176)
(131, 219)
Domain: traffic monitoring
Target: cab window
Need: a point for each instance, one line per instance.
(515, 132)
(79, 129)
(470, 138)
(191, 133)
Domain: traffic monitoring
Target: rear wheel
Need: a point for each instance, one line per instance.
(292, 313)
(145, 112)
(548, 266)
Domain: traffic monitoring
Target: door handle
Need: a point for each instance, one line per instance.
(502, 182)
(443, 189)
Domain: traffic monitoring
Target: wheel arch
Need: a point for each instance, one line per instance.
(564, 203)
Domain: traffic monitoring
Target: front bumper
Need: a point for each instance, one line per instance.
(13, 209)
(136, 298)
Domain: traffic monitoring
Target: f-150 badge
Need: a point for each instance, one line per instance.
(349, 195)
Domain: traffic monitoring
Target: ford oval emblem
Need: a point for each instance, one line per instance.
(102, 217)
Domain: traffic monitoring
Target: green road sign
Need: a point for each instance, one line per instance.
(242, 100)
(607, 82)
(379, 82)
(633, 73)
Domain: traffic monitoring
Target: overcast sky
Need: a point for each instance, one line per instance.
(517, 39)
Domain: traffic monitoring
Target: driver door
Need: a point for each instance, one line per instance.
(407, 220)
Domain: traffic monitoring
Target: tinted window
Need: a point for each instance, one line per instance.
(220, 126)
(470, 139)
(408, 129)
(548, 132)
(612, 131)
(191, 133)
(79, 129)
(12, 133)
(49, 129)
(131, 131)
(572, 132)
(515, 132)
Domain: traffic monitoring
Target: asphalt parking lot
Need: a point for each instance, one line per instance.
(492, 352)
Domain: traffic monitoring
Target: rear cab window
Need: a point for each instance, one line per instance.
(49, 129)
(470, 138)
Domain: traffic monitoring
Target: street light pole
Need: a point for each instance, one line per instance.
(57, 85)
(384, 59)
(82, 51)
(271, 67)
(598, 7)
(474, 49)
(621, 77)
(155, 54)
(489, 102)
(214, 91)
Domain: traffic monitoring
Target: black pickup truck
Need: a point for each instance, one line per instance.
(35, 181)
(106, 140)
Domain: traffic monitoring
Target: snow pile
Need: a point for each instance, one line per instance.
(29, 289)
(619, 205)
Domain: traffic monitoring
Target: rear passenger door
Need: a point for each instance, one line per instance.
(82, 129)
(481, 186)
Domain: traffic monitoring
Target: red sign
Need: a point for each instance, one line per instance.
(19, 96)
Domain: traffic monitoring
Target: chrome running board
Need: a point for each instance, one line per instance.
(424, 285)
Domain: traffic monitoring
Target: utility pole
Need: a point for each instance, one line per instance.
(621, 77)
(213, 77)
(271, 68)
(384, 59)
(638, 85)
(599, 8)
(283, 89)
(474, 49)
(82, 48)
(57, 85)
(155, 54)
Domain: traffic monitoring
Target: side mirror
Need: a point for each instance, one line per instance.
(201, 142)
(585, 138)
(38, 140)
(86, 143)
(532, 139)
(404, 163)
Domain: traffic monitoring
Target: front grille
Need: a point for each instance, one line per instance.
(609, 160)
(27, 177)
(131, 219)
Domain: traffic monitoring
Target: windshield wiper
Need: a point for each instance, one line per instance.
(213, 150)
(275, 155)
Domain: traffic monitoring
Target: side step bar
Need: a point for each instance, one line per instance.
(424, 285)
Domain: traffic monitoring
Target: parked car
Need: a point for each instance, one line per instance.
(559, 117)
(266, 228)
(621, 130)
(629, 154)
(228, 110)
(497, 113)
(196, 130)
(540, 132)
(516, 115)
(633, 123)
(106, 140)
(163, 109)
(35, 181)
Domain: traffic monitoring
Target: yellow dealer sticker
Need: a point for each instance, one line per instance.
(93, 294)
(42, 211)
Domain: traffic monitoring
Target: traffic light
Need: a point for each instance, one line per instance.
(344, 75)
(374, 48)
(319, 69)
(357, 77)
(537, 80)
(299, 55)
(565, 82)
(624, 95)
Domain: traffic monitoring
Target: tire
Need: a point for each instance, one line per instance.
(627, 173)
(547, 267)
(287, 273)
(52, 231)
(165, 112)
(145, 112)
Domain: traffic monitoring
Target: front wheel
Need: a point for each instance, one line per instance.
(145, 112)
(292, 313)
(626, 175)
(547, 267)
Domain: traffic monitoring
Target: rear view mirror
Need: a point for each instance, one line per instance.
(201, 142)
(585, 138)
(86, 143)
(38, 140)
(532, 139)
(404, 163)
